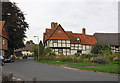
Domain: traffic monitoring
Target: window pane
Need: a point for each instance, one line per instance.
(55, 41)
(59, 31)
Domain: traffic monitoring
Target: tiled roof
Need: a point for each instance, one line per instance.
(108, 38)
(84, 39)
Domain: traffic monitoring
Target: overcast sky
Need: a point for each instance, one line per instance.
(73, 15)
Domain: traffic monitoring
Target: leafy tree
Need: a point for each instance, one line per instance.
(36, 51)
(97, 48)
(15, 24)
(27, 42)
(33, 48)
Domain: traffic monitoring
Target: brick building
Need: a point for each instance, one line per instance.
(3, 38)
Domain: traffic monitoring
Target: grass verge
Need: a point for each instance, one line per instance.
(108, 68)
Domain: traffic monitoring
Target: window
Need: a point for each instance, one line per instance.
(60, 50)
(116, 46)
(78, 40)
(59, 31)
(55, 41)
(79, 51)
(3, 42)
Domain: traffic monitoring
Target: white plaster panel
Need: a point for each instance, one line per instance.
(63, 41)
(59, 41)
(83, 47)
(72, 47)
(55, 44)
(63, 45)
(59, 44)
(76, 44)
(68, 45)
(72, 44)
(67, 41)
(50, 45)
(73, 52)
(64, 50)
(87, 47)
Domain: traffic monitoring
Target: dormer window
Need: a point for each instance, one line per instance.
(59, 31)
(78, 40)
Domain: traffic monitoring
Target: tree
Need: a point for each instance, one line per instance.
(97, 48)
(41, 48)
(46, 50)
(35, 46)
(15, 24)
(30, 42)
(27, 42)
(34, 49)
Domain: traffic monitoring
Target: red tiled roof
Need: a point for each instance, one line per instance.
(84, 39)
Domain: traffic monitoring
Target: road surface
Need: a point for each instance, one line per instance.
(28, 69)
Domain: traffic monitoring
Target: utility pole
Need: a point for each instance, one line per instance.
(38, 47)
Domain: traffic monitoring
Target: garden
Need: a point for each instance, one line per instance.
(101, 59)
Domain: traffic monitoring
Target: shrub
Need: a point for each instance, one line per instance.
(52, 53)
(116, 59)
(77, 54)
(64, 58)
(99, 60)
(111, 57)
(86, 57)
(46, 51)
(72, 56)
(48, 58)
(30, 55)
(97, 48)
(79, 59)
(7, 77)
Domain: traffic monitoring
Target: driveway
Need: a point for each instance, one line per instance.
(28, 69)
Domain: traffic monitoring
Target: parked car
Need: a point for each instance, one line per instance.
(9, 59)
(2, 60)
(24, 56)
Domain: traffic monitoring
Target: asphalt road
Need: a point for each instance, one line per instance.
(28, 69)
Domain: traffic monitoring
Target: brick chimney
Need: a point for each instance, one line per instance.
(54, 25)
(83, 31)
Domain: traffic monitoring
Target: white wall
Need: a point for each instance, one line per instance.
(73, 52)
(27, 52)
(2, 53)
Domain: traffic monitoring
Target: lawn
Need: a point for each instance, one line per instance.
(108, 68)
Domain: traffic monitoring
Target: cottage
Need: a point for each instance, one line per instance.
(24, 51)
(3, 38)
(111, 39)
(67, 42)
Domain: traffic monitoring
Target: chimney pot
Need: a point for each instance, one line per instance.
(83, 31)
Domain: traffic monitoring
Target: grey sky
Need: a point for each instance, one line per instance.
(73, 15)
